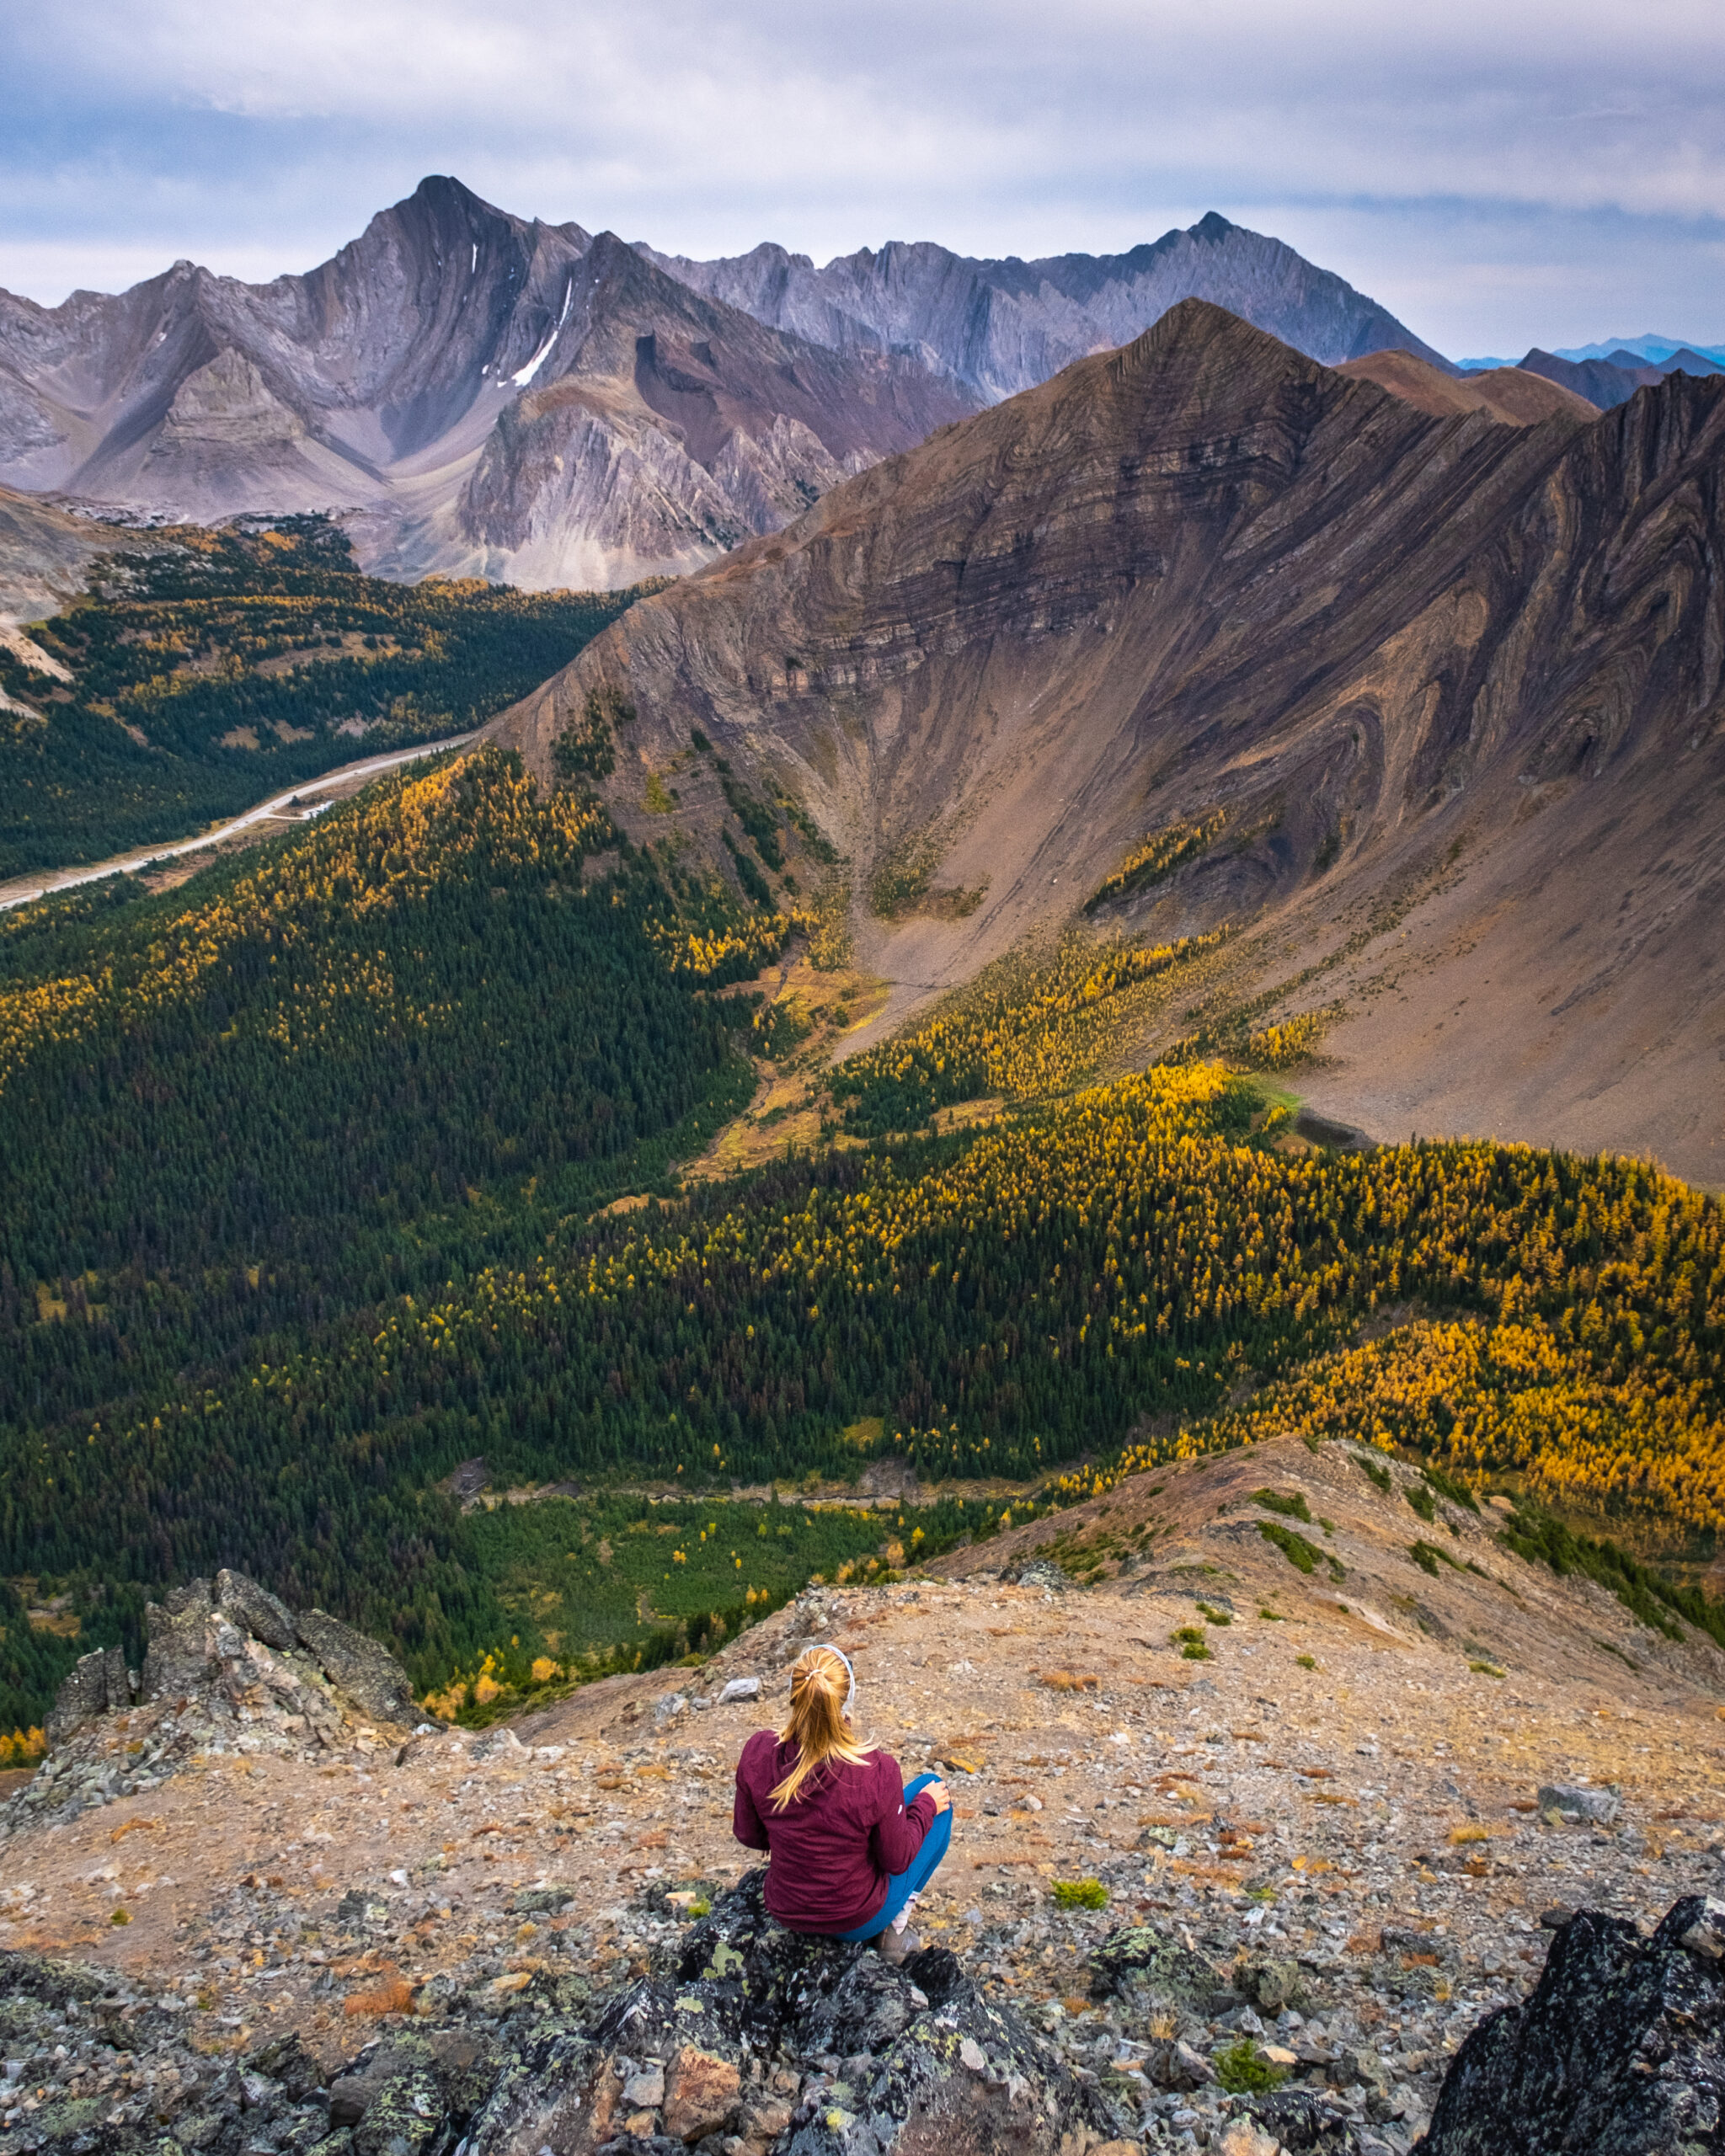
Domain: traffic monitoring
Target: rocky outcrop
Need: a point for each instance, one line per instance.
(203, 1638)
(1002, 327)
(88, 1689)
(254, 1610)
(721, 2042)
(369, 1674)
(1620, 2050)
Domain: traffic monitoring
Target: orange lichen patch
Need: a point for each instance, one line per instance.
(393, 1994)
(1312, 1865)
(135, 1827)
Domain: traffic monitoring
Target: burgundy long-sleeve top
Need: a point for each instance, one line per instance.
(833, 1848)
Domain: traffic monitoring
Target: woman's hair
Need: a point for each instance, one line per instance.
(820, 1685)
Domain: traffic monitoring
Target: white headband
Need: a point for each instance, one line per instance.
(850, 1696)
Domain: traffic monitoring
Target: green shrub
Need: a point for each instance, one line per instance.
(1428, 1556)
(1294, 1507)
(1446, 1485)
(1293, 1547)
(1241, 2072)
(1081, 1894)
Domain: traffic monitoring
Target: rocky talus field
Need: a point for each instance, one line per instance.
(1321, 1824)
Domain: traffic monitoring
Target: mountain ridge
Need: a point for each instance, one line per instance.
(376, 383)
(1001, 326)
(1203, 575)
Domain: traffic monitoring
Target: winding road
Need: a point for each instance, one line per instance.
(23, 891)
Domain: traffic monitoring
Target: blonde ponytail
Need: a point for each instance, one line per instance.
(820, 1685)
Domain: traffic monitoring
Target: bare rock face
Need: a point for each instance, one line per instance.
(82, 1695)
(517, 399)
(370, 1675)
(1620, 2050)
(182, 1656)
(1002, 327)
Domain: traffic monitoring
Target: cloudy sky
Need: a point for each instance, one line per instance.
(1499, 172)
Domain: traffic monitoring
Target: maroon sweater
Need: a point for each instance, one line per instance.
(834, 1846)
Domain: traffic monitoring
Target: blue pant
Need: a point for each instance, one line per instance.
(902, 1884)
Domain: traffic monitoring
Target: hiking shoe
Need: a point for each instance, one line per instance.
(896, 1946)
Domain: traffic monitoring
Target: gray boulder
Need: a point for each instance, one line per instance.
(1600, 1806)
(82, 1695)
(180, 1658)
(195, 1598)
(117, 1680)
(254, 1610)
(1619, 2051)
(1158, 1972)
(370, 1675)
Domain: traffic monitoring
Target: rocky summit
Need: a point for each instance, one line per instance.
(226, 1663)
(1329, 1886)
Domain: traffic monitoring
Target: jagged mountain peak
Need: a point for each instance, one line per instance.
(428, 376)
(1001, 326)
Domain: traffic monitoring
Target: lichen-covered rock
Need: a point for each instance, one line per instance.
(180, 1660)
(1619, 2051)
(370, 1675)
(1274, 1983)
(82, 1695)
(916, 2061)
(1159, 1971)
(254, 1610)
(1300, 2122)
(1598, 1806)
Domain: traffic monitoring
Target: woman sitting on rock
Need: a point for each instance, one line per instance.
(848, 1848)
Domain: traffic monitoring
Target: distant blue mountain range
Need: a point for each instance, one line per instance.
(1654, 350)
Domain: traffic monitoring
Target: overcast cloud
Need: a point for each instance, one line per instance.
(1497, 174)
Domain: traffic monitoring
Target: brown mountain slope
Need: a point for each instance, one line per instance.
(1601, 381)
(43, 555)
(1504, 393)
(1455, 685)
(488, 393)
